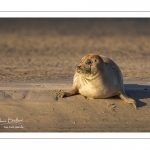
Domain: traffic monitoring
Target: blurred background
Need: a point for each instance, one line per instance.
(48, 49)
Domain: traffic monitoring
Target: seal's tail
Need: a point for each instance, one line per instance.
(128, 100)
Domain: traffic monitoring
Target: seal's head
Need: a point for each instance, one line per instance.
(90, 65)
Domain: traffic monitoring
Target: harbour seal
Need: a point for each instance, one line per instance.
(98, 77)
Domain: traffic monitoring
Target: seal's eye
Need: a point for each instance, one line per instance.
(88, 62)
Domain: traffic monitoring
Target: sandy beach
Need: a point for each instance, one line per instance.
(38, 59)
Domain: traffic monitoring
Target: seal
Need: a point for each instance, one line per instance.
(98, 77)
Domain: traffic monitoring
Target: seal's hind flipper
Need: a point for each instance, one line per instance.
(128, 100)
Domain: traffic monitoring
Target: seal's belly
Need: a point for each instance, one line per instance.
(97, 92)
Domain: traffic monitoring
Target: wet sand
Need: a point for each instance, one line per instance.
(37, 62)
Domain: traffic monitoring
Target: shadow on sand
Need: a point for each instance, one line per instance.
(138, 92)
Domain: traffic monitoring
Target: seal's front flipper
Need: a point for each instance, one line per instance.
(72, 92)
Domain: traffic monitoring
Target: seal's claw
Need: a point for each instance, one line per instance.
(61, 95)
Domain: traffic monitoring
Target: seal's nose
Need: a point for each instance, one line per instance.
(78, 67)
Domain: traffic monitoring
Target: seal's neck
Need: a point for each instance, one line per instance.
(92, 77)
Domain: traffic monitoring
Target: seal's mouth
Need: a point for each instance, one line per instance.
(83, 70)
